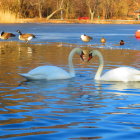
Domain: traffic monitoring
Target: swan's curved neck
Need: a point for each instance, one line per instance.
(70, 63)
(101, 64)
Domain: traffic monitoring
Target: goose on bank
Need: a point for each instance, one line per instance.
(26, 36)
(6, 35)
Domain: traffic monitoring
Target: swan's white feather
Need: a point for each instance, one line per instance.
(54, 72)
(121, 74)
(47, 73)
(124, 74)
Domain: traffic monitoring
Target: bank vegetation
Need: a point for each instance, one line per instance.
(18, 10)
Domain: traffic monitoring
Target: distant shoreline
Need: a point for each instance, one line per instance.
(72, 21)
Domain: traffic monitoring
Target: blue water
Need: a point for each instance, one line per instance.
(70, 33)
(75, 109)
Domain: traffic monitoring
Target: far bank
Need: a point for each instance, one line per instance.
(68, 21)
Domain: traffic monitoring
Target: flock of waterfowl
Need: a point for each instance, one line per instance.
(24, 37)
(86, 38)
(27, 37)
(124, 74)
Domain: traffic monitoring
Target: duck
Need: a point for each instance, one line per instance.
(6, 35)
(86, 38)
(121, 74)
(26, 36)
(122, 42)
(103, 40)
(54, 72)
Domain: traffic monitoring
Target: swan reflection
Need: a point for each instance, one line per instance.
(120, 88)
(125, 86)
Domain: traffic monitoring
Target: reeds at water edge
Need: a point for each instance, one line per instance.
(8, 17)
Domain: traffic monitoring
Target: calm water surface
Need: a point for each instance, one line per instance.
(76, 109)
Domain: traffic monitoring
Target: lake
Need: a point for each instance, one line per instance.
(79, 108)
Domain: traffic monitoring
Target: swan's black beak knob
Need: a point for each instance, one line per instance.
(90, 57)
(82, 54)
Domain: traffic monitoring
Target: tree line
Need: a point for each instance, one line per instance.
(71, 9)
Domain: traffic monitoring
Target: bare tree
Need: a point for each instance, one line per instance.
(60, 7)
(40, 3)
(70, 8)
(92, 6)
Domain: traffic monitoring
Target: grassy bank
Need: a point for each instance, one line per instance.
(96, 21)
(8, 17)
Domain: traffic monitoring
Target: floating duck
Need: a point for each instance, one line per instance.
(103, 40)
(6, 35)
(86, 38)
(122, 42)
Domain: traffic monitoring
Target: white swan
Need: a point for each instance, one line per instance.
(124, 74)
(54, 72)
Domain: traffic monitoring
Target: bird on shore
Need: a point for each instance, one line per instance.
(86, 38)
(26, 36)
(122, 42)
(103, 40)
(6, 35)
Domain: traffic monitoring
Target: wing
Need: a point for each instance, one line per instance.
(47, 72)
(122, 74)
(27, 35)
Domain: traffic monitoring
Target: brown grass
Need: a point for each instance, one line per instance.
(69, 21)
(8, 17)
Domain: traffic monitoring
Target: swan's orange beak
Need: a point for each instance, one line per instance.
(82, 56)
(90, 57)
